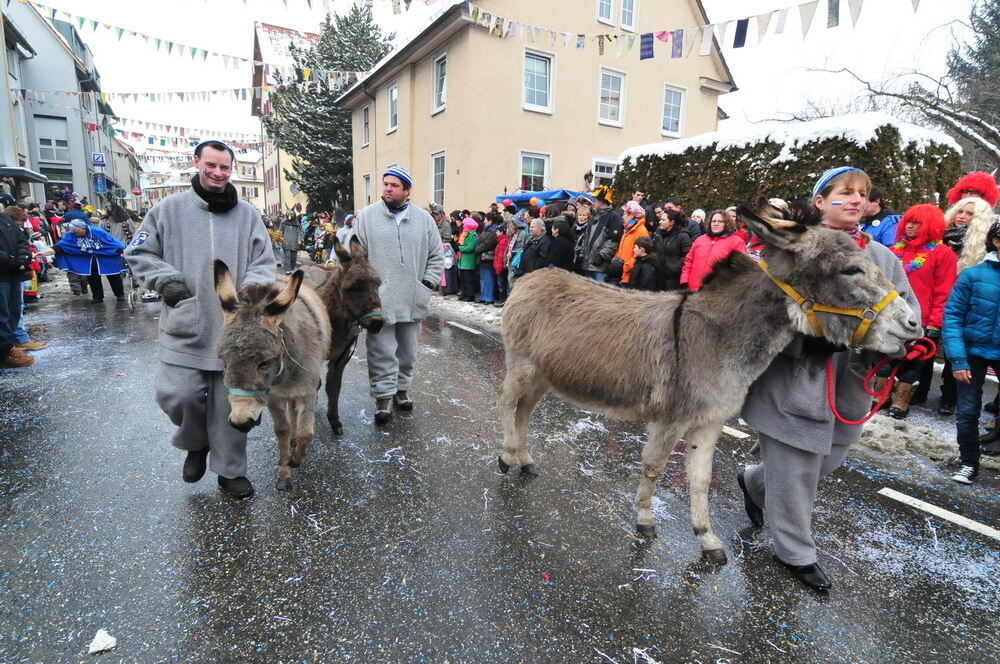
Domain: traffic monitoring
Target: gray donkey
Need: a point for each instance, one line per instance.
(684, 361)
(273, 343)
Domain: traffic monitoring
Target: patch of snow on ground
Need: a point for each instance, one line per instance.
(484, 316)
(920, 433)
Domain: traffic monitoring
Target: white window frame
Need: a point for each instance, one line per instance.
(250, 192)
(442, 154)
(435, 106)
(393, 113)
(546, 172)
(54, 149)
(366, 115)
(680, 115)
(610, 18)
(630, 27)
(551, 57)
(600, 102)
(366, 185)
(605, 161)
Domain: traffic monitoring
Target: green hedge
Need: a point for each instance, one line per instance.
(704, 177)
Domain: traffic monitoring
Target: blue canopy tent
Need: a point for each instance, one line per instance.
(550, 196)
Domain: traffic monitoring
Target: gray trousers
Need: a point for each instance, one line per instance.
(785, 486)
(392, 354)
(291, 259)
(198, 404)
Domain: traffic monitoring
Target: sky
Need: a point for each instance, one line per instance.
(773, 76)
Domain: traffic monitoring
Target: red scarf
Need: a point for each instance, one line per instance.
(854, 232)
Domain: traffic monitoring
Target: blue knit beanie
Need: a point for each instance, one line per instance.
(401, 173)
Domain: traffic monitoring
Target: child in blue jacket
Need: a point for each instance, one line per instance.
(971, 336)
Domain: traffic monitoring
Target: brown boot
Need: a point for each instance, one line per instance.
(901, 400)
(16, 359)
(880, 384)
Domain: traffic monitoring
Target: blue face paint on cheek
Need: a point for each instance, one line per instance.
(837, 203)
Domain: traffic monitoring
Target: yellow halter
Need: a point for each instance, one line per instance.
(811, 308)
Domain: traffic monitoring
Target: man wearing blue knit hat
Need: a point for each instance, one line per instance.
(403, 244)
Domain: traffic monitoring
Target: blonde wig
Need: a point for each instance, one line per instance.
(974, 244)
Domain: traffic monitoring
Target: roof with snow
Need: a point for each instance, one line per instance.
(858, 128)
(274, 42)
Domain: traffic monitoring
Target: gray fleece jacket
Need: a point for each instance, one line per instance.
(179, 239)
(404, 255)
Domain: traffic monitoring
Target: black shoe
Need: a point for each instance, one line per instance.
(898, 413)
(755, 513)
(946, 409)
(811, 575)
(402, 401)
(499, 304)
(97, 300)
(237, 487)
(194, 465)
(382, 412)
(991, 436)
(120, 298)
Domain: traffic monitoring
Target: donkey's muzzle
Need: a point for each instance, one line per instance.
(244, 427)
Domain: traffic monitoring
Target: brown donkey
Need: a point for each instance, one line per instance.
(350, 292)
(681, 361)
(273, 343)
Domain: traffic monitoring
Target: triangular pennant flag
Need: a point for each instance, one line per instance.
(93, 26)
(782, 17)
(690, 39)
(723, 28)
(677, 48)
(158, 42)
(581, 41)
(855, 6)
(763, 20)
(832, 13)
(707, 32)
(567, 39)
(916, 4)
(662, 35)
(600, 44)
(806, 12)
(474, 16)
(629, 43)
(80, 21)
(619, 47)
(120, 32)
(194, 52)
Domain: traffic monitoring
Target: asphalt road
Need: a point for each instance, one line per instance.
(404, 544)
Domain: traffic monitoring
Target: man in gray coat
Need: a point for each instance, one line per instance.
(404, 245)
(291, 233)
(173, 253)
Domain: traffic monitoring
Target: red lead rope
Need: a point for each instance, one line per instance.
(916, 349)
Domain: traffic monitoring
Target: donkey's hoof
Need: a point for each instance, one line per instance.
(649, 532)
(504, 467)
(294, 462)
(338, 428)
(283, 484)
(529, 469)
(715, 556)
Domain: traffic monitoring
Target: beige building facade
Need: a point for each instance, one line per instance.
(474, 116)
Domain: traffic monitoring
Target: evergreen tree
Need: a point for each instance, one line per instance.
(305, 121)
(975, 67)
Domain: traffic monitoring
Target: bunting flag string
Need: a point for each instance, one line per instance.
(174, 48)
(230, 94)
(681, 39)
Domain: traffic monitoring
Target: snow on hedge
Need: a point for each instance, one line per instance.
(858, 128)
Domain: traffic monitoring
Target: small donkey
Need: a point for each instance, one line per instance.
(683, 362)
(273, 344)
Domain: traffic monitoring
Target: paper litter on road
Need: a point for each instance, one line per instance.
(102, 641)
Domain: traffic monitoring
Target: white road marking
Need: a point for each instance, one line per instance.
(980, 528)
(463, 327)
(735, 433)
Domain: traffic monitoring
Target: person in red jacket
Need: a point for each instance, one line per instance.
(930, 269)
(710, 248)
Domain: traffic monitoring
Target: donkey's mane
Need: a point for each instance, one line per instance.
(727, 269)
(258, 293)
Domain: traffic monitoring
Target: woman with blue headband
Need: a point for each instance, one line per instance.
(800, 439)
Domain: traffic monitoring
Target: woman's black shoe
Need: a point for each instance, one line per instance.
(992, 436)
(946, 409)
(755, 513)
(811, 575)
(194, 465)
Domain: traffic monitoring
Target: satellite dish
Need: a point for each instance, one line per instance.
(294, 188)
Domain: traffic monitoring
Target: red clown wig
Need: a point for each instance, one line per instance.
(979, 181)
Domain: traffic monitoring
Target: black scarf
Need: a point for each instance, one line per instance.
(218, 202)
(394, 210)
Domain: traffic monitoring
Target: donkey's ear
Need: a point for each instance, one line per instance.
(779, 233)
(357, 249)
(343, 255)
(225, 289)
(277, 307)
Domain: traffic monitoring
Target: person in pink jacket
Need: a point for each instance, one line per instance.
(710, 248)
